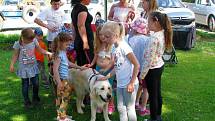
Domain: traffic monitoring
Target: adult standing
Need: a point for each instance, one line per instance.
(81, 20)
(121, 12)
(148, 7)
(54, 17)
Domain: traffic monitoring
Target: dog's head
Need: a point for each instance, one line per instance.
(102, 90)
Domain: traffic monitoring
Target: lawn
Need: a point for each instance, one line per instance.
(188, 90)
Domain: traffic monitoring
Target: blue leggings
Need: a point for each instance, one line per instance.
(25, 86)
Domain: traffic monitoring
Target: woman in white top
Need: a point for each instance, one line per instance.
(120, 11)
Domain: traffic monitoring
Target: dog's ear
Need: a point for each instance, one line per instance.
(93, 92)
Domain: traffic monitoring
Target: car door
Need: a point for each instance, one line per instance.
(203, 6)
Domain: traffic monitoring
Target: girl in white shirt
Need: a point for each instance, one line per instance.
(126, 69)
(153, 64)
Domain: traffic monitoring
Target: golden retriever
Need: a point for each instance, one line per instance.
(85, 82)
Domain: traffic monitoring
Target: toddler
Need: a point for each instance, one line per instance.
(27, 65)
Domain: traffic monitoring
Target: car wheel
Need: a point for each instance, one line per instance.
(29, 13)
(211, 23)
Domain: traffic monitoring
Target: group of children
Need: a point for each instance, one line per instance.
(139, 59)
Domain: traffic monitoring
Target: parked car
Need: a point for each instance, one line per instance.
(16, 14)
(183, 22)
(204, 11)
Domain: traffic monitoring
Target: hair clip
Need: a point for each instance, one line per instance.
(156, 18)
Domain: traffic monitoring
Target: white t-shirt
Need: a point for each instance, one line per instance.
(54, 18)
(123, 66)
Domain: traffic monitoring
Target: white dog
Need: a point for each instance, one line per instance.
(100, 91)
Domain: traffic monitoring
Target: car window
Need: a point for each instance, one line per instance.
(94, 1)
(169, 3)
(10, 2)
(204, 2)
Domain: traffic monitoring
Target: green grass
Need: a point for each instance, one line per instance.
(188, 91)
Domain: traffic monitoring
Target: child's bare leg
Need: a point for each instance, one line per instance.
(139, 93)
(144, 99)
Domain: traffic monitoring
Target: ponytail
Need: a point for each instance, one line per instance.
(167, 31)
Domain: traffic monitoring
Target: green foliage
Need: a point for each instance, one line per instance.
(7, 41)
(9, 38)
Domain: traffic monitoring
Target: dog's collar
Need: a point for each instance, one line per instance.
(91, 76)
(102, 98)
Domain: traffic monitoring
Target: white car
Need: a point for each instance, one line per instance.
(183, 22)
(204, 11)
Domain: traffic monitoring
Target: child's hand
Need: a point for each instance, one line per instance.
(83, 68)
(86, 46)
(130, 87)
(49, 54)
(60, 85)
(87, 65)
(11, 68)
(103, 78)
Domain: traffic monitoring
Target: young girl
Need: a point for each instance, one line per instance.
(126, 68)
(68, 28)
(61, 71)
(138, 42)
(103, 60)
(153, 64)
(27, 64)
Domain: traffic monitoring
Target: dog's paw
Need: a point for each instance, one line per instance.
(82, 105)
(80, 111)
(108, 120)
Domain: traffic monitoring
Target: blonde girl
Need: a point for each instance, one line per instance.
(126, 68)
(61, 70)
(27, 64)
(102, 52)
(153, 64)
(103, 60)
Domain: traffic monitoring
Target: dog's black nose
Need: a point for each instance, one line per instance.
(108, 96)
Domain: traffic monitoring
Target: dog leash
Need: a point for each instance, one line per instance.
(88, 59)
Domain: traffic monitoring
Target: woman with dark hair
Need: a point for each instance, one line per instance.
(81, 20)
